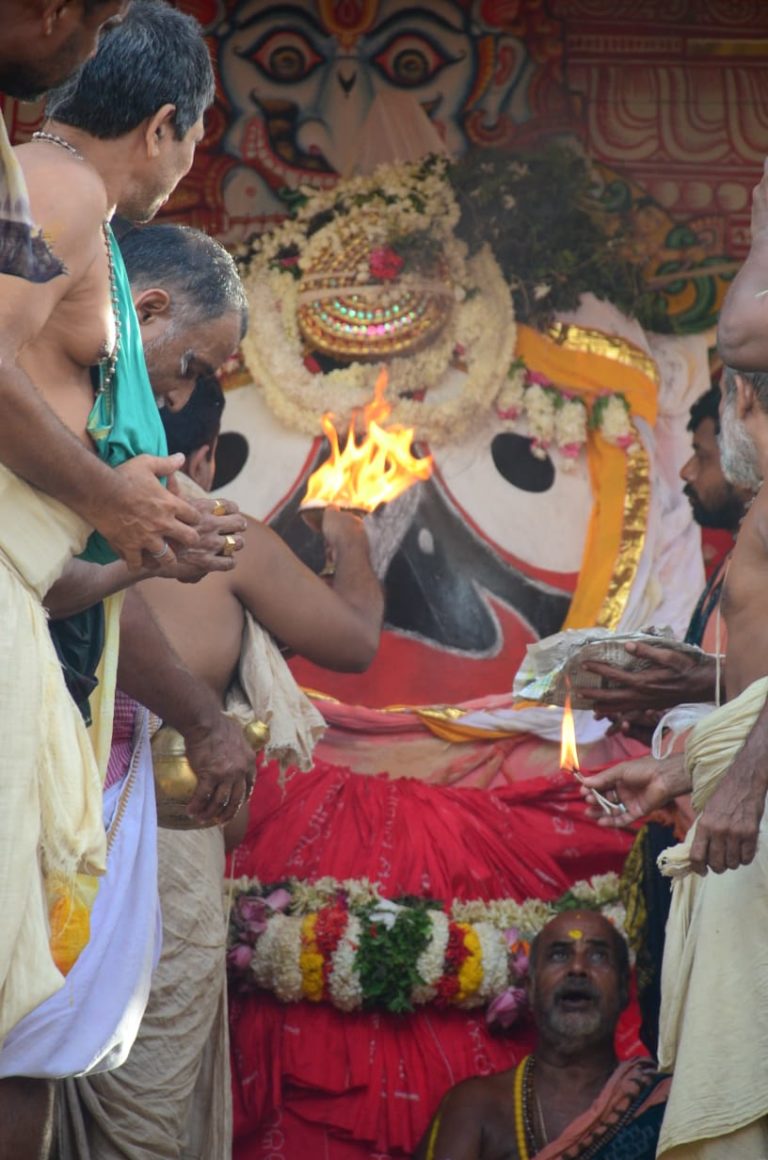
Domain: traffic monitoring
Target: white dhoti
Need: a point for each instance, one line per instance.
(714, 1013)
(91, 1023)
(167, 1102)
(50, 790)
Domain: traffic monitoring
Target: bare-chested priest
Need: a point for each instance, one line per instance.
(571, 1097)
(71, 444)
(714, 979)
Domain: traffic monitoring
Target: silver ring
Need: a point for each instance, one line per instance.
(159, 555)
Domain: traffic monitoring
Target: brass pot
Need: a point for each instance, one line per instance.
(176, 780)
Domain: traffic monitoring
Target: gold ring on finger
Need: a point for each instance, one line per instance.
(219, 508)
(230, 546)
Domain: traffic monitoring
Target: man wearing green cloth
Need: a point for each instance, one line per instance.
(77, 456)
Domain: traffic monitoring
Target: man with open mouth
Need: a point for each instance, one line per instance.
(571, 1098)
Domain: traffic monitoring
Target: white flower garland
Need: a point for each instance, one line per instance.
(430, 962)
(344, 984)
(482, 328)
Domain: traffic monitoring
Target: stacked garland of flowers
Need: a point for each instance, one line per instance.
(341, 942)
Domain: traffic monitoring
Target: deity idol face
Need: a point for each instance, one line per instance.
(302, 78)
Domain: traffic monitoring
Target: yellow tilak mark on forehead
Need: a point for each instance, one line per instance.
(575, 934)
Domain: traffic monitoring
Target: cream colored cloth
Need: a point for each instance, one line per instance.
(709, 750)
(750, 1143)
(50, 803)
(266, 691)
(714, 1010)
(171, 1099)
(102, 698)
(92, 1022)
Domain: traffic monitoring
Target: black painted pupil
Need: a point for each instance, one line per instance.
(410, 67)
(287, 64)
(514, 461)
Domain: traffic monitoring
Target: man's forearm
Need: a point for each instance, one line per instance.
(151, 672)
(83, 585)
(356, 584)
(742, 329)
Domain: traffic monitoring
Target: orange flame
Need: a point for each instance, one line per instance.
(569, 756)
(374, 471)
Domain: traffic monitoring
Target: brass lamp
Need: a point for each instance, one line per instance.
(176, 780)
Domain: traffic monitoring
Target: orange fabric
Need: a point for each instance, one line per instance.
(587, 373)
(590, 374)
(608, 476)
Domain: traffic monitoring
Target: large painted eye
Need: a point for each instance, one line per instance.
(284, 57)
(529, 509)
(409, 61)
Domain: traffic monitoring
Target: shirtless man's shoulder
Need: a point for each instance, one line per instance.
(68, 200)
(478, 1114)
(59, 329)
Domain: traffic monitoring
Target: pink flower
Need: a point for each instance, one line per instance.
(507, 1007)
(570, 450)
(239, 957)
(279, 899)
(508, 412)
(385, 264)
(252, 912)
(537, 377)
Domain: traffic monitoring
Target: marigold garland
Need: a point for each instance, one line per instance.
(342, 942)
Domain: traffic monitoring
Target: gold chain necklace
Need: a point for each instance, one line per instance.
(109, 362)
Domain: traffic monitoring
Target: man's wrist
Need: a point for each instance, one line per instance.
(197, 713)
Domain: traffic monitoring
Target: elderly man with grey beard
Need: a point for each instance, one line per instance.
(571, 1097)
(714, 978)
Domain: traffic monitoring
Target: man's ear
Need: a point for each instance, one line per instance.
(159, 125)
(198, 465)
(745, 397)
(52, 12)
(152, 304)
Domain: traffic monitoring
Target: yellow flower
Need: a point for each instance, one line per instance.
(69, 916)
(471, 970)
(311, 962)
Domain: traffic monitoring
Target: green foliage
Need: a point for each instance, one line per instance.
(387, 956)
(553, 230)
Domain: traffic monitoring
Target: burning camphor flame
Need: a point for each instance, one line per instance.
(374, 471)
(569, 756)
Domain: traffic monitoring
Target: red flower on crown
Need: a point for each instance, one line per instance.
(385, 264)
